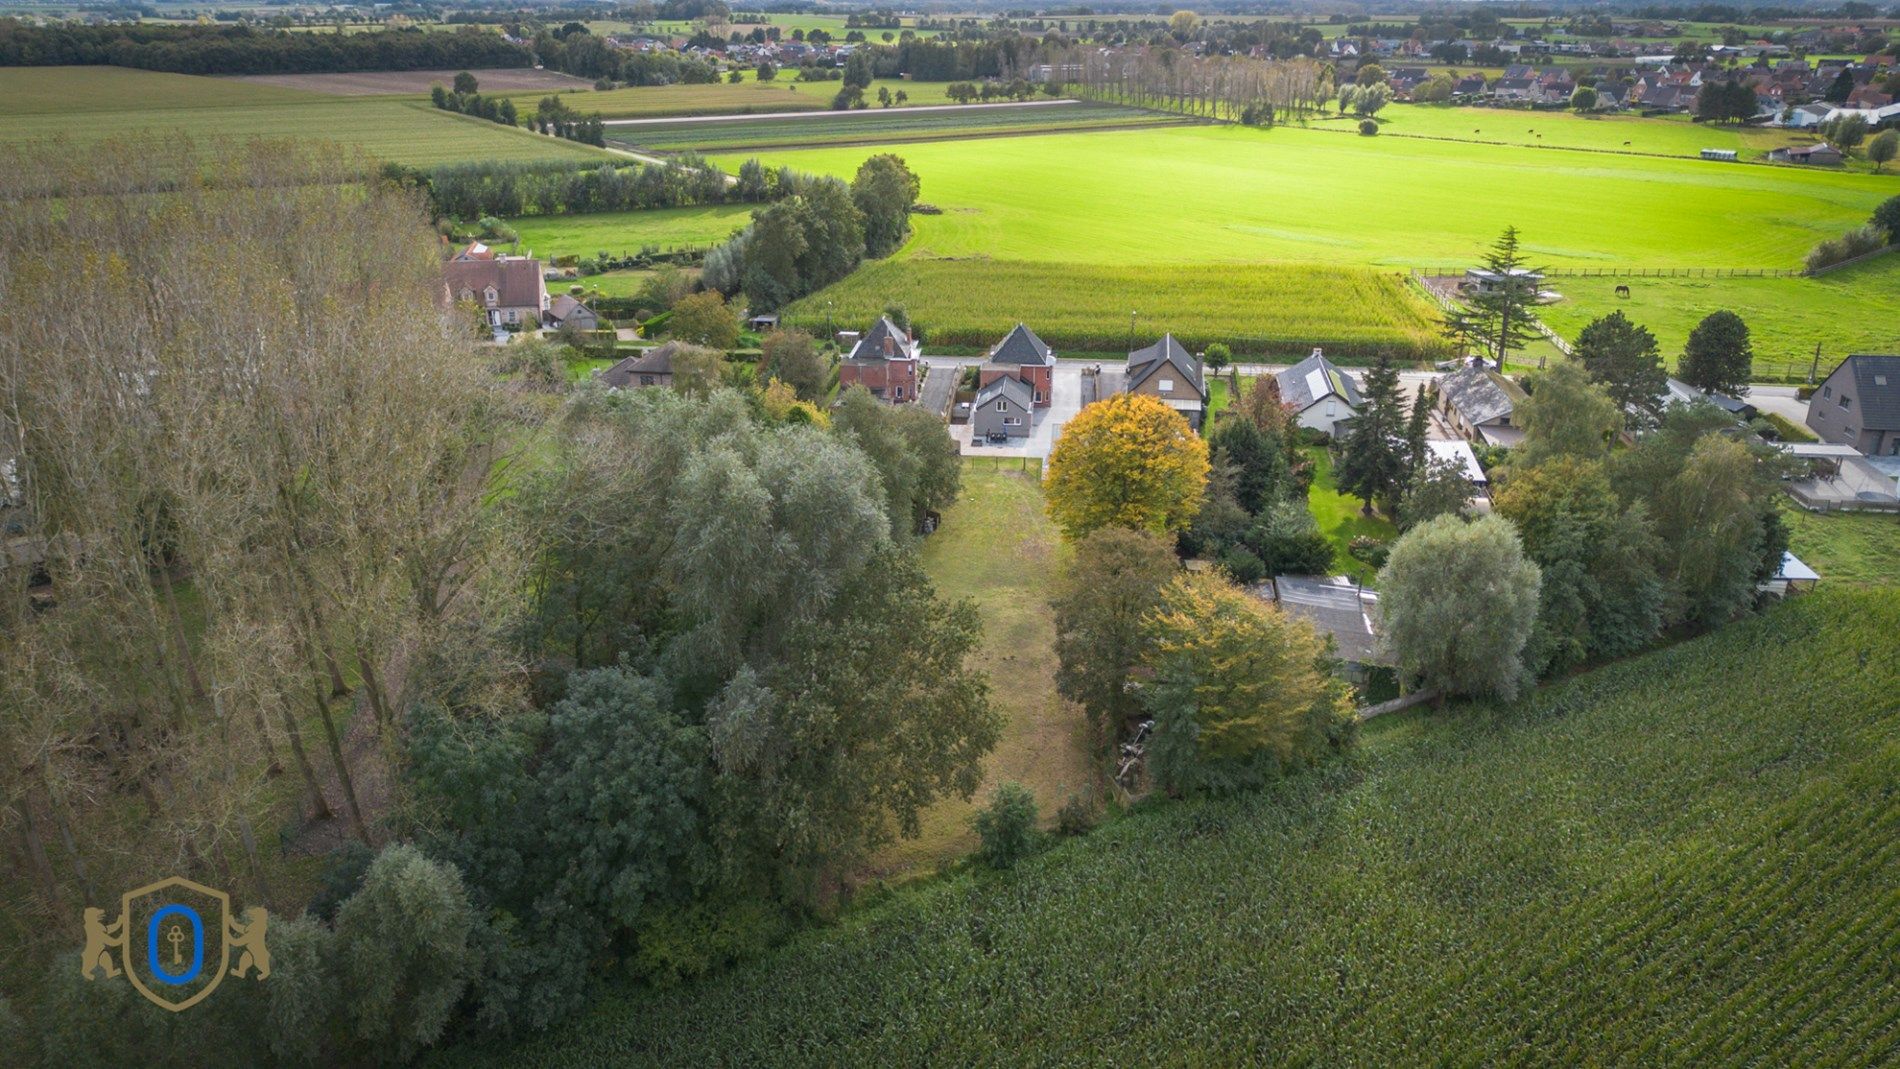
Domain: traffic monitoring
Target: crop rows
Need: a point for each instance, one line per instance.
(1256, 309)
(882, 125)
(1686, 858)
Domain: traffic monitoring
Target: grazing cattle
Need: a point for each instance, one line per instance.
(1622, 291)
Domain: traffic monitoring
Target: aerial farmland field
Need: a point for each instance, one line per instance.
(1234, 194)
(617, 232)
(82, 105)
(1855, 309)
(1667, 136)
(885, 126)
(1268, 308)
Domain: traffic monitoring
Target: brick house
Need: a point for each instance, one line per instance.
(884, 361)
(1168, 371)
(1021, 356)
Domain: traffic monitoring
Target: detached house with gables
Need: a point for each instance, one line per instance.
(509, 290)
(1168, 371)
(884, 361)
(1858, 405)
(1320, 395)
(1021, 356)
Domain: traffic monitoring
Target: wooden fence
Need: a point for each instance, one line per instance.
(1638, 272)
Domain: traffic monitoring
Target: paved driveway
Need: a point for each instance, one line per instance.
(1781, 401)
(1065, 401)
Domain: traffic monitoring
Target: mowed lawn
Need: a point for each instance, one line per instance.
(1341, 520)
(1257, 309)
(997, 548)
(619, 233)
(1666, 135)
(1853, 310)
(1235, 194)
(83, 105)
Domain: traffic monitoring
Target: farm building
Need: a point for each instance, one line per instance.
(1823, 154)
(1726, 155)
(1003, 406)
(1319, 393)
(1458, 454)
(1483, 280)
(1479, 403)
(1168, 371)
(566, 311)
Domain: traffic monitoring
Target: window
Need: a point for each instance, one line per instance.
(1827, 391)
(1167, 385)
(900, 393)
(1002, 406)
(1038, 396)
(1846, 402)
(489, 295)
(1012, 421)
(646, 380)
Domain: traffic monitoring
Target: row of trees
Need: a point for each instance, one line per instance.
(1229, 87)
(814, 232)
(511, 188)
(494, 109)
(245, 49)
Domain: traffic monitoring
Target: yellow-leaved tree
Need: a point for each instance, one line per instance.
(1128, 461)
(1238, 689)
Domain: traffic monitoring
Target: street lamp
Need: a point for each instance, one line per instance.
(1131, 330)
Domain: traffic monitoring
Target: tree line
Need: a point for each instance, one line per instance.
(247, 49)
(507, 188)
(621, 703)
(814, 231)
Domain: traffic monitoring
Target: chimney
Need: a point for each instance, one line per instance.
(1316, 352)
(890, 346)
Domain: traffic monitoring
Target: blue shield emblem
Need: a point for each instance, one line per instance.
(174, 945)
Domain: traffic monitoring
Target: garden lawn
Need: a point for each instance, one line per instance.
(1209, 194)
(997, 547)
(548, 236)
(1257, 309)
(109, 102)
(882, 126)
(1853, 310)
(1341, 521)
(1861, 548)
(1683, 858)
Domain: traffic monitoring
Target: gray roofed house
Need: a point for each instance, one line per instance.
(1335, 606)
(651, 368)
(1004, 405)
(1021, 346)
(566, 311)
(1168, 371)
(1479, 402)
(1320, 394)
(1858, 404)
(884, 361)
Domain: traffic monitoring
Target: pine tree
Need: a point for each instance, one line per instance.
(1623, 357)
(1500, 316)
(1375, 459)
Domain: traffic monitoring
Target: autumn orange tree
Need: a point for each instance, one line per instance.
(1129, 461)
(1238, 689)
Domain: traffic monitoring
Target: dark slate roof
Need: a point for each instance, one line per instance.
(1143, 363)
(1877, 382)
(1021, 346)
(1480, 394)
(1015, 390)
(871, 346)
(1335, 608)
(655, 361)
(1297, 382)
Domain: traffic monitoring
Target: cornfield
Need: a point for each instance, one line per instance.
(1256, 309)
(1687, 858)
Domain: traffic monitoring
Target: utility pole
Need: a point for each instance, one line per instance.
(1131, 330)
(1814, 366)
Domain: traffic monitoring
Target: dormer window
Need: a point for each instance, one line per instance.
(490, 295)
(468, 294)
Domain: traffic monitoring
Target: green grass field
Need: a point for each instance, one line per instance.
(82, 105)
(1255, 308)
(659, 101)
(1341, 520)
(1860, 548)
(1233, 194)
(999, 518)
(1673, 136)
(548, 236)
(882, 126)
(1854, 310)
(1685, 858)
